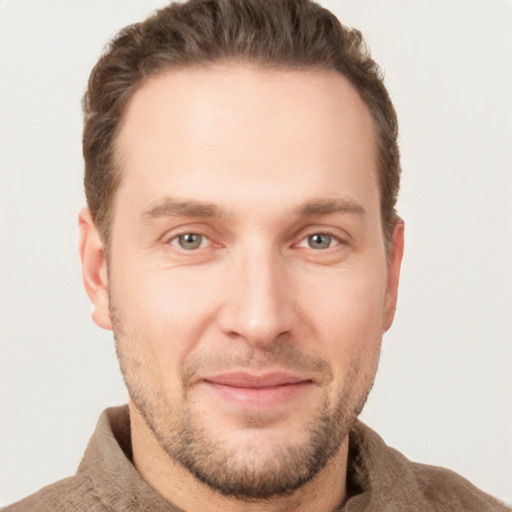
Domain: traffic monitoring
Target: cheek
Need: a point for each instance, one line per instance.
(164, 310)
(347, 294)
(346, 311)
(348, 323)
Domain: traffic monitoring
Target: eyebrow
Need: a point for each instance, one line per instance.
(172, 207)
(329, 206)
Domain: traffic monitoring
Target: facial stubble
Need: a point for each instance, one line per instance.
(239, 472)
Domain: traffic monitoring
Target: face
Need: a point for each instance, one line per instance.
(248, 286)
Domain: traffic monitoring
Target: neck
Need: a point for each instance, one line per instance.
(326, 491)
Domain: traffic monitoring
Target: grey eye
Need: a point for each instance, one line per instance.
(319, 241)
(190, 241)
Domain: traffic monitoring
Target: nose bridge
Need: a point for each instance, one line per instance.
(260, 307)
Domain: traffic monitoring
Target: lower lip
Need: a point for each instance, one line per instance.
(260, 398)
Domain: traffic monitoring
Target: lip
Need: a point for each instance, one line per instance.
(258, 391)
(251, 380)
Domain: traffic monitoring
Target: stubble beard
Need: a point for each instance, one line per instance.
(238, 472)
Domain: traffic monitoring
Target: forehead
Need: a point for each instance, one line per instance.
(201, 130)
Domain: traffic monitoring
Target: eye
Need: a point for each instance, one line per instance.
(319, 241)
(189, 241)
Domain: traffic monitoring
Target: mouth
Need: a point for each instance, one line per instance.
(262, 391)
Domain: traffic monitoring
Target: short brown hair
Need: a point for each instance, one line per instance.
(285, 34)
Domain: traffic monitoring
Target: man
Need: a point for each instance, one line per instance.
(242, 243)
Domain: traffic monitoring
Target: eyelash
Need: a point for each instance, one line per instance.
(332, 238)
(175, 241)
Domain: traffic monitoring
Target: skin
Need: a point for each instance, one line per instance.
(263, 166)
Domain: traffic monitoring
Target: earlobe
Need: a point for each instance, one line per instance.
(94, 269)
(396, 252)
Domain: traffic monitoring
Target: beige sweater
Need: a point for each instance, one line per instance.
(382, 479)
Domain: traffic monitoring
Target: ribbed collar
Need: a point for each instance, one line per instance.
(107, 463)
(379, 478)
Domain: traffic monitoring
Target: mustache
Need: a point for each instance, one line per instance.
(280, 355)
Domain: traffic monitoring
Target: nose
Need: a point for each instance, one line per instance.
(260, 305)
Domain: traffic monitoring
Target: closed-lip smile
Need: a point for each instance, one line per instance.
(260, 391)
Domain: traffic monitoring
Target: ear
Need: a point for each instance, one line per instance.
(396, 251)
(94, 269)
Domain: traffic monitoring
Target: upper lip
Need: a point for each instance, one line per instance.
(242, 379)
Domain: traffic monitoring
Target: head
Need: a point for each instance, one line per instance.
(287, 35)
(241, 173)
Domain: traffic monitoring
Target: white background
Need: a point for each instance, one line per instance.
(443, 394)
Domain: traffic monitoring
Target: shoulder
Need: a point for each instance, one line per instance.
(447, 490)
(388, 481)
(71, 494)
